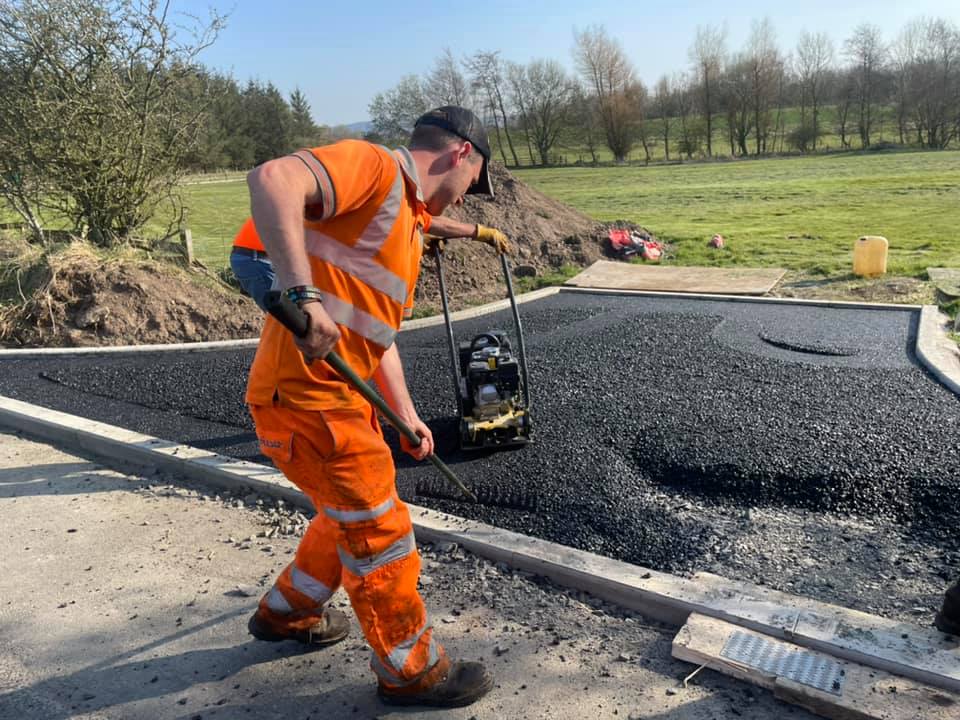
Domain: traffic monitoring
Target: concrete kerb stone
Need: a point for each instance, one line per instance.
(907, 650)
(935, 348)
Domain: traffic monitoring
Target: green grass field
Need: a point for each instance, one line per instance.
(802, 213)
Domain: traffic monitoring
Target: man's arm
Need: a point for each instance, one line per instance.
(393, 385)
(279, 191)
(444, 227)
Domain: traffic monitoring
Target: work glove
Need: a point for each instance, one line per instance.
(494, 238)
(434, 241)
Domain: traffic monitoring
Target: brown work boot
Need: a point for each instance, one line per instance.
(445, 685)
(948, 619)
(331, 628)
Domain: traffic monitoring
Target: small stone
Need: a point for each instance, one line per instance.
(624, 657)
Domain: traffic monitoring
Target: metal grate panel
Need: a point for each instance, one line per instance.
(778, 660)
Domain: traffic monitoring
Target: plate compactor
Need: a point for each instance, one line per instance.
(490, 380)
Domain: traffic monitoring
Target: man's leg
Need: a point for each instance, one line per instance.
(294, 608)
(356, 498)
(948, 619)
(254, 273)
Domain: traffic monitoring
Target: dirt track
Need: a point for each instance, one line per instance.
(126, 597)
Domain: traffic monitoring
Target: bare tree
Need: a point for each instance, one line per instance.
(738, 101)
(903, 54)
(844, 101)
(867, 54)
(764, 62)
(814, 59)
(101, 106)
(665, 104)
(937, 82)
(487, 75)
(543, 92)
(584, 116)
(707, 54)
(685, 104)
(394, 112)
(520, 97)
(609, 74)
(445, 85)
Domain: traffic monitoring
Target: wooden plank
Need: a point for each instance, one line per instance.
(629, 276)
(946, 280)
(865, 694)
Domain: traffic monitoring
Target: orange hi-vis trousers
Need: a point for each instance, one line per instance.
(361, 536)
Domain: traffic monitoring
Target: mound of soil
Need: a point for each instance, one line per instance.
(83, 301)
(547, 235)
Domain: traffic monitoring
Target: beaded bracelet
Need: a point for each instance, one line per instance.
(301, 294)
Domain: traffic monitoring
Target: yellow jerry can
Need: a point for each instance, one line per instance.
(870, 256)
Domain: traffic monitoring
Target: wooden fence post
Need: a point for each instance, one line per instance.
(186, 238)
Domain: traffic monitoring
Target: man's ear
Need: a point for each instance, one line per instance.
(463, 152)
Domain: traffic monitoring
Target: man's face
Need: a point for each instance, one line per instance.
(465, 167)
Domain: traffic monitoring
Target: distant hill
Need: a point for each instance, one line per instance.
(360, 127)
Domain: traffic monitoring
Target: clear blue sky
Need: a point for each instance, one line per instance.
(340, 54)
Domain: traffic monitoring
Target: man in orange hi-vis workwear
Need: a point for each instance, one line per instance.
(342, 225)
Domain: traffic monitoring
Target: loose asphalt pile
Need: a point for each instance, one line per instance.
(798, 447)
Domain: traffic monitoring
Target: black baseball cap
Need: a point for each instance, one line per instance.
(464, 124)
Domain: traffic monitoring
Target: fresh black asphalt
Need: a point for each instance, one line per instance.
(658, 422)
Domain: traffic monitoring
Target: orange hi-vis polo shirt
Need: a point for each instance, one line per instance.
(364, 242)
(247, 237)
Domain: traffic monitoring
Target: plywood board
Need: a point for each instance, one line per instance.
(864, 693)
(663, 278)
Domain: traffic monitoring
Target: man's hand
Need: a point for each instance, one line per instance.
(433, 241)
(322, 333)
(493, 238)
(426, 439)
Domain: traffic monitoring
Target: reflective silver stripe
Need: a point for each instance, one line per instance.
(309, 586)
(361, 567)
(361, 322)
(389, 676)
(349, 516)
(401, 653)
(277, 602)
(409, 168)
(357, 262)
(328, 195)
(383, 672)
(376, 233)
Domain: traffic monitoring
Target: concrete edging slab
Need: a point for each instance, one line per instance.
(936, 350)
(907, 650)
